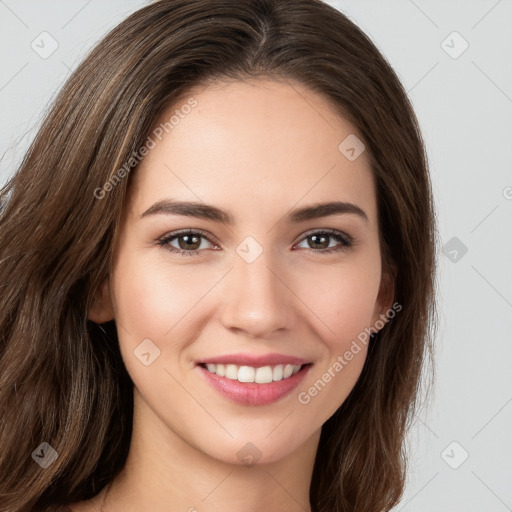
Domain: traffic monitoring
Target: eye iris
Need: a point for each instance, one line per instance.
(186, 245)
(315, 237)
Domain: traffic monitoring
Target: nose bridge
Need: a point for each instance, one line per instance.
(257, 300)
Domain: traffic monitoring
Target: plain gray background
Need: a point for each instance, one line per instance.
(461, 445)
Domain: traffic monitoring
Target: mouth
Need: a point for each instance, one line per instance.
(258, 375)
(253, 385)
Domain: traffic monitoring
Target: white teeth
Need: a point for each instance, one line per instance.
(231, 371)
(277, 374)
(261, 375)
(246, 374)
(288, 371)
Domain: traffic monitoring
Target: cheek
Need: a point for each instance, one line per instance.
(343, 302)
(343, 298)
(161, 302)
(155, 302)
(154, 298)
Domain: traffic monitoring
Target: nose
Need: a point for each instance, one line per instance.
(258, 299)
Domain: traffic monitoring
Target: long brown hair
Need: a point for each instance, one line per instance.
(62, 378)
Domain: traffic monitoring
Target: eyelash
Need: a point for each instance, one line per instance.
(345, 240)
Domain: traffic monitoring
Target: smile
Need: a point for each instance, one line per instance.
(251, 385)
(261, 375)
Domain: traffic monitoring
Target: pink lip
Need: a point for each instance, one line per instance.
(254, 360)
(251, 393)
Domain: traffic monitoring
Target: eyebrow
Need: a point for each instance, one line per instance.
(209, 212)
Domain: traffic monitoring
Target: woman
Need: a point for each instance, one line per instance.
(277, 368)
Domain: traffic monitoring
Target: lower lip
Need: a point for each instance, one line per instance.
(251, 393)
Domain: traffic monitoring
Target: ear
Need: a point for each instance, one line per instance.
(101, 310)
(385, 296)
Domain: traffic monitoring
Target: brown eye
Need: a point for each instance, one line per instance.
(320, 241)
(189, 242)
(192, 242)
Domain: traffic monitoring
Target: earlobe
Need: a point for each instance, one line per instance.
(101, 310)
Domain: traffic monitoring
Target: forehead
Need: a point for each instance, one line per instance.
(248, 145)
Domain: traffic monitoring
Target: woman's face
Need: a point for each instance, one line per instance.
(267, 289)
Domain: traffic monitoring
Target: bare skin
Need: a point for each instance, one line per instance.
(258, 150)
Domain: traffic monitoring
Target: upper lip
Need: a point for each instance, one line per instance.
(254, 360)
